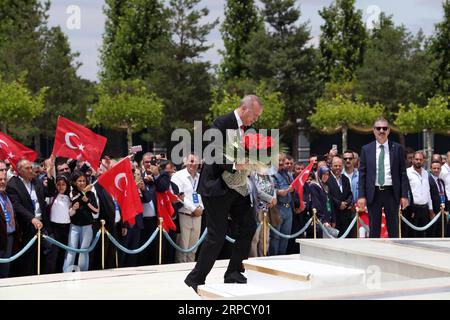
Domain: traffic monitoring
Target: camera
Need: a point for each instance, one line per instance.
(154, 161)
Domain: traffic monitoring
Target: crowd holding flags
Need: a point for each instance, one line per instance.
(75, 141)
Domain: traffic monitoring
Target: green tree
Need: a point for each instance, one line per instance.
(281, 56)
(126, 105)
(433, 118)
(18, 104)
(271, 118)
(396, 68)
(342, 113)
(241, 22)
(181, 78)
(343, 40)
(440, 50)
(134, 33)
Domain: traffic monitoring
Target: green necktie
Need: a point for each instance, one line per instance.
(381, 167)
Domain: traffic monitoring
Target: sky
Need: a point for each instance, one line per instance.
(83, 22)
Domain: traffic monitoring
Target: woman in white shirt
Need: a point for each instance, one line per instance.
(59, 208)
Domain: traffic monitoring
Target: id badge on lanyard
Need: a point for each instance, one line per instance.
(195, 198)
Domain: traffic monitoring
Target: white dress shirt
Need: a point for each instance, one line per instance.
(445, 176)
(32, 192)
(387, 164)
(420, 187)
(60, 209)
(188, 184)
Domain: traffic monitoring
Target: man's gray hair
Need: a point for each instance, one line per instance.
(381, 119)
(20, 164)
(248, 101)
(147, 154)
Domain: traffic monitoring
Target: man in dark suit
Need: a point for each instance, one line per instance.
(341, 196)
(27, 195)
(383, 182)
(438, 195)
(220, 201)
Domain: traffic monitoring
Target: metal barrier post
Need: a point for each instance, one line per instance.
(315, 221)
(160, 239)
(39, 251)
(103, 243)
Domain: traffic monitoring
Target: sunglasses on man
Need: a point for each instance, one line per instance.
(379, 128)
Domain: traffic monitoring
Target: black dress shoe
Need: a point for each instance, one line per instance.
(235, 277)
(192, 284)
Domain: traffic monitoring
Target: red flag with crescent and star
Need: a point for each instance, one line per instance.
(14, 151)
(72, 140)
(119, 183)
(299, 182)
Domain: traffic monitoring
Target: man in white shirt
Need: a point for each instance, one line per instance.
(422, 207)
(192, 210)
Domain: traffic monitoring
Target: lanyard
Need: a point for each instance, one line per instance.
(5, 210)
(194, 183)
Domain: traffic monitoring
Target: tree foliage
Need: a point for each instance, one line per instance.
(435, 116)
(440, 51)
(343, 40)
(396, 68)
(18, 103)
(126, 105)
(240, 24)
(271, 117)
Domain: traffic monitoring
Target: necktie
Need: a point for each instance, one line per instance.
(9, 207)
(381, 166)
(441, 191)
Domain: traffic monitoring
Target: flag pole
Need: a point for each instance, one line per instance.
(443, 220)
(400, 222)
(357, 223)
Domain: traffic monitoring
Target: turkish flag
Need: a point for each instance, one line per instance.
(299, 182)
(119, 182)
(165, 209)
(365, 218)
(72, 140)
(14, 151)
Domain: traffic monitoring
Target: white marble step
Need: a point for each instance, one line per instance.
(272, 275)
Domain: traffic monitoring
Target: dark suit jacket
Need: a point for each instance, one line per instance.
(211, 183)
(434, 192)
(4, 230)
(368, 169)
(337, 196)
(319, 202)
(22, 204)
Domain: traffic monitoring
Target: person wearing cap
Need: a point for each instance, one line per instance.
(383, 182)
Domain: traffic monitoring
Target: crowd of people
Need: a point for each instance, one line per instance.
(60, 197)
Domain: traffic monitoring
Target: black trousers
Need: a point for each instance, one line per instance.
(421, 218)
(55, 259)
(383, 199)
(218, 209)
(343, 220)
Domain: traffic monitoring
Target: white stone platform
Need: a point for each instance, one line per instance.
(326, 269)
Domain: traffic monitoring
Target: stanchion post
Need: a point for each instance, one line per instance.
(39, 251)
(314, 222)
(400, 222)
(160, 239)
(357, 223)
(265, 233)
(443, 220)
(103, 243)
